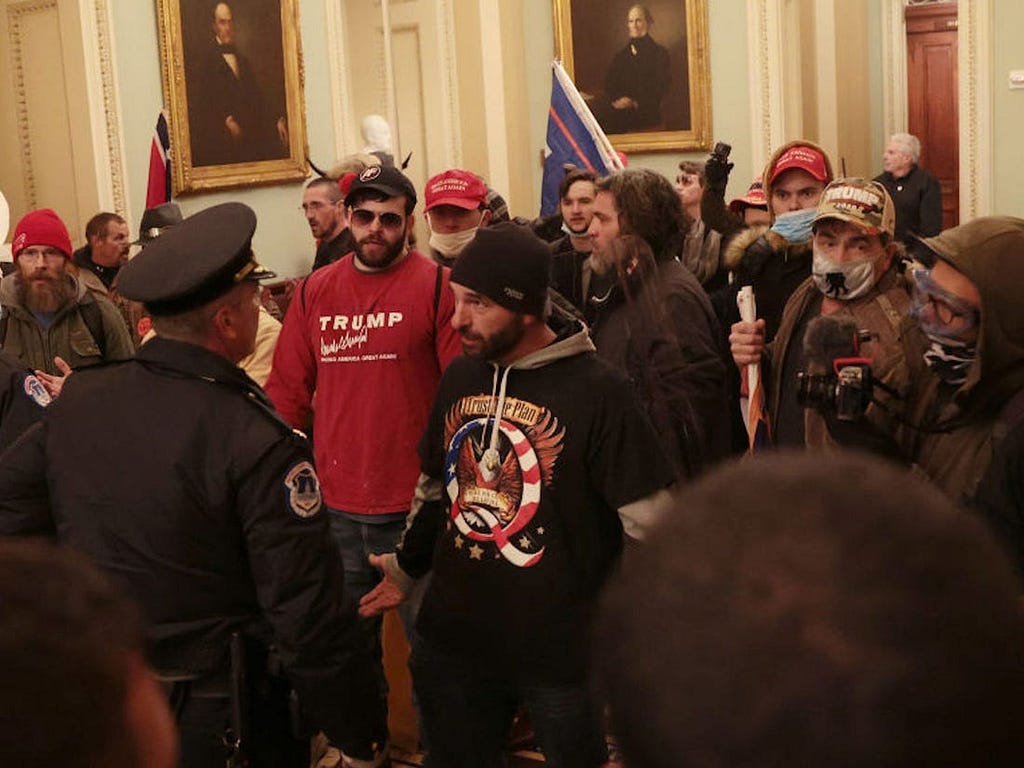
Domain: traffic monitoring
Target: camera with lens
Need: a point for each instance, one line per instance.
(848, 390)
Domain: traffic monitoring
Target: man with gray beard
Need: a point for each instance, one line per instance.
(47, 314)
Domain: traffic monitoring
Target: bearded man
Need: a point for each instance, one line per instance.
(47, 313)
(370, 334)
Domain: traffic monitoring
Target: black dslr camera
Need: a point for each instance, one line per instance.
(849, 388)
(848, 391)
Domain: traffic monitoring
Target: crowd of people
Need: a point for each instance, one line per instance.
(522, 437)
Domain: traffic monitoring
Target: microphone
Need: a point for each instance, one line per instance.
(828, 339)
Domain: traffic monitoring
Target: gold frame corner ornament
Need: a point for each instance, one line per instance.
(187, 178)
(699, 136)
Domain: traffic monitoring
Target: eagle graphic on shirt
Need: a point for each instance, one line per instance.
(496, 470)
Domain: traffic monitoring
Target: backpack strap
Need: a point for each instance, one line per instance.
(894, 317)
(437, 290)
(4, 317)
(93, 318)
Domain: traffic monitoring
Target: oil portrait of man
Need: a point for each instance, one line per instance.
(235, 81)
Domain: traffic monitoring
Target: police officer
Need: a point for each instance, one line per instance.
(202, 502)
(22, 398)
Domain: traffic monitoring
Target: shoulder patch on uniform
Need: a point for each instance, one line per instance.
(302, 490)
(36, 391)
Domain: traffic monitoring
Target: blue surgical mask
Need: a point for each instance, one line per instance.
(795, 226)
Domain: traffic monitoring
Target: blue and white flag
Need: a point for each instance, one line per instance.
(574, 136)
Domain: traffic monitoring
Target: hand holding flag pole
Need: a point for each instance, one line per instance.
(758, 427)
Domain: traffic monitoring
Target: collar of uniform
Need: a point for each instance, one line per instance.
(195, 361)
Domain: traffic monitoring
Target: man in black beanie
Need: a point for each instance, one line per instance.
(536, 460)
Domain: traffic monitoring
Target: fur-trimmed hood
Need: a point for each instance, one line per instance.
(732, 255)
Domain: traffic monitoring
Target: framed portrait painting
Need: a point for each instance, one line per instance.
(642, 68)
(232, 79)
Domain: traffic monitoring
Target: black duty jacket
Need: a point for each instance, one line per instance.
(175, 474)
(22, 399)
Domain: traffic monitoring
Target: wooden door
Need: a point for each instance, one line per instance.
(932, 97)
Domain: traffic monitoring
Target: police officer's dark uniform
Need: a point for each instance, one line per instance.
(201, 501)
(22, 398)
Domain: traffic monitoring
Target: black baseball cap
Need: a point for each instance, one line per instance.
(384, 179)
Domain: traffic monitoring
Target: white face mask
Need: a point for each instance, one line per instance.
(451, 244)
(846, 281)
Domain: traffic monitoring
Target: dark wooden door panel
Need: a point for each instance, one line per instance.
(932, 97)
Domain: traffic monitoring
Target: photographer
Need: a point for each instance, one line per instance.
(853, 283)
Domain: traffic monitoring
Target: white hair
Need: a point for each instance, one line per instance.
(909, 142)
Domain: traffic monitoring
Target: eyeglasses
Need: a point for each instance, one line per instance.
(364, 218)
(946, 307)
(40, 254)
(316, 205)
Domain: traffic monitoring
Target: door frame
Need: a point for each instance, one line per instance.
(974, 95)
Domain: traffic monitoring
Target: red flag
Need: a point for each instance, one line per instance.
(159, 189)
(759, 431)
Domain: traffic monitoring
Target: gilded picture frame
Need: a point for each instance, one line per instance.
(659, 51)
(233, 87)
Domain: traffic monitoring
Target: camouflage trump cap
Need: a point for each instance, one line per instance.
(865, 204)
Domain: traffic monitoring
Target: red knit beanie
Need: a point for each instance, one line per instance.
(41, 227)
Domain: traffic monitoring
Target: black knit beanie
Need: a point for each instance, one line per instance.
(508, 264)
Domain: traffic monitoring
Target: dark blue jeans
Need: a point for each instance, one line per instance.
(467, 714)
(357, 541)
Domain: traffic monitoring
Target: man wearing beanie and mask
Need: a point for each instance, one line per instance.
(370, 335)
(537, 459)
(853, 281)
(48, 313)
(202, 504)
(455, 208)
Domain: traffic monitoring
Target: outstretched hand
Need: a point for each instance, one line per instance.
(52, 382)
(386, 595)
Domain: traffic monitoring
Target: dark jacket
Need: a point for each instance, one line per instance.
(918, 200)
(203, 505)
(22, 399)
(657, 326)
(329, 251)
(957, 448)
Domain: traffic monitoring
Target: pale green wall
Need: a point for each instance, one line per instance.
(1007, 108)
(282, 240)
(730, 90)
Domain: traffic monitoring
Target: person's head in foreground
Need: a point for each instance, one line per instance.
(76, 689)
(815, 611)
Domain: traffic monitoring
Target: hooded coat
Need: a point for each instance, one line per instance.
(958, 449)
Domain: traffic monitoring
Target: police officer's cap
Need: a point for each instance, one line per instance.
(194, 262)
